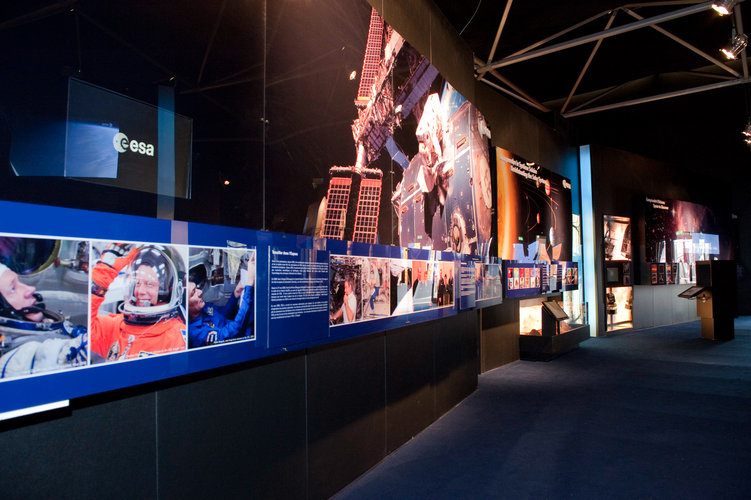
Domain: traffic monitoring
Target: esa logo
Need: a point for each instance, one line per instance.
(123, 144)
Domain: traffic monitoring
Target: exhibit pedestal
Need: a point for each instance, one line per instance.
(545, 348)
(715, 305)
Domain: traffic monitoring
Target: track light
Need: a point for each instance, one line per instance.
(723, 7)
(737, 45)
(747, 133)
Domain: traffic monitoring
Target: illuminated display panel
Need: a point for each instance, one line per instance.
(681, 231)
(534, 210)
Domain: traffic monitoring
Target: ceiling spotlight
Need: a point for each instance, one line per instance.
(737, 45)
(353, 75)
(747, 133)
(226, 183)
(723, 7)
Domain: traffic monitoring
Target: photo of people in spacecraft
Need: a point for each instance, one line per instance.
(221, 295)
(43, 305)
(401, 286)
(419, 285)
(345, 289)
(137, 300)
(375, 288)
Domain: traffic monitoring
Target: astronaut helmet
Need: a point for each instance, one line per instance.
(199, 270)
(154, 286)
(27, 314)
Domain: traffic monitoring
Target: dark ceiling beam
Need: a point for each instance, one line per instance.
(527, 98)
(501, 25)
(146, 57)
(218, 21)
(658, 97)
(132, 47)
(586, 65)
(560, 33)
(215, 86)
(668, 16)
(528, 102)
(602, 93)
(38, 14)
(710, 75)
(739, 27)
(684, 43)
(660, 4)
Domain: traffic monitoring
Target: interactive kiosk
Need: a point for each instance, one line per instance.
(715, 295)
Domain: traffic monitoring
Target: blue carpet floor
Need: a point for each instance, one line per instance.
(658, 413)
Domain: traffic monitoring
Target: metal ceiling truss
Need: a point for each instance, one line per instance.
(534, 51)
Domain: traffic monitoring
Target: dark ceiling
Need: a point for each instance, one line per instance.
(667, 58)
(257, 77)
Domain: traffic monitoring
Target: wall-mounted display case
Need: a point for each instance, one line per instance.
(617, 272)
(618, 307)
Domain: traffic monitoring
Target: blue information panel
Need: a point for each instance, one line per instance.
(468, 283)
(298, 295)
(109, 301)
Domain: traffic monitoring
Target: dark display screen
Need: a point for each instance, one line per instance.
(115, 140)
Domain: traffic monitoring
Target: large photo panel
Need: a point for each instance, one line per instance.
(368, 142)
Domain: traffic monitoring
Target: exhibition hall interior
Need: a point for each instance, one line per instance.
(375, 249)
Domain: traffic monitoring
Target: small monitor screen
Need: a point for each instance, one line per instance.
(613, 274)
(554, 309)
(692, 292)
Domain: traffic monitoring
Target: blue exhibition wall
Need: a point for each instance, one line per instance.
(299, 284)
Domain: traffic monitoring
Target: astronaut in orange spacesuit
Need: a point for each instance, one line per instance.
(151, 319)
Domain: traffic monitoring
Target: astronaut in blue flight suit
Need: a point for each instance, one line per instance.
(210, 324)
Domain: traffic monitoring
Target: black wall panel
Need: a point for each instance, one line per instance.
(499, 337)
(622, 181)
(456, 360)
(409, 20)
(410, 394)
(241, 433)
(100, 447)
(742, 209)
(346, 413)
(298, 426)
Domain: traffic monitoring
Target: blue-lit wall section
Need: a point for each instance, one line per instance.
(588, 239)
(570, 169)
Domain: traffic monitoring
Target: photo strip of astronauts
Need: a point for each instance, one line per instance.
(35, 336)
(220, 295)
(137, 302)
